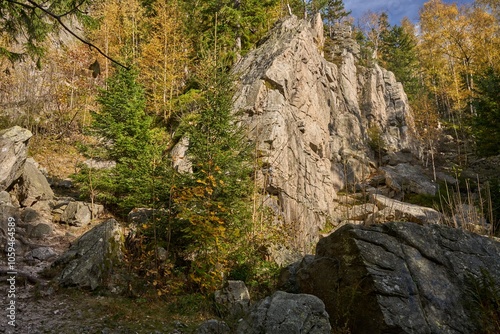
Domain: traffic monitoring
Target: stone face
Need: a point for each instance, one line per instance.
(286, 313)
(80, 213)
(234, 299)
(399, 277)
(34, 186)
(391, 210)
(408, 178)
(213, 326)
(39, 231)
(91, 257)
(13, 150)
(180, 160)
(310, 121)
(5, 198)
(43, 253)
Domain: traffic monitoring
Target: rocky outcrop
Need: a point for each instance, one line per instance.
(80, 213)
(313, 121)
(393, 210)
(91, 258)
(400, 277)
(233, 300)
(286, 313)
(213, 326)
(13, 142)
(34, 186)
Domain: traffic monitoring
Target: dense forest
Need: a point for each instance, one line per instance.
(125, 80)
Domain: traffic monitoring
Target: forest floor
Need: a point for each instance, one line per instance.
(73, 311)
(46, 308)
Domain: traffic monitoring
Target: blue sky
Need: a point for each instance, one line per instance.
(397, 9)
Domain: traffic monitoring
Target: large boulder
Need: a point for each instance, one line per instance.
(13, 150)
(80, 213)
(233, 300)
(34, 186)
(91, 258)
(391, 210)
(286, 313)
(406, 178)
(401, 277)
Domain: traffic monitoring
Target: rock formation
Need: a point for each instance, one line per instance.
(13, 142)
(313, 121)
(399, 277)
(286, 313)
(91, 257)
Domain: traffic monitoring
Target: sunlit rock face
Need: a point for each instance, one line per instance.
(313, 122)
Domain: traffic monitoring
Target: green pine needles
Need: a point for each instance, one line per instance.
(212, 204)
(126, 136)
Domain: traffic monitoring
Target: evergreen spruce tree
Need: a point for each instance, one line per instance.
(125, 136)
(213, 202)
(398, 54)
(486, 122)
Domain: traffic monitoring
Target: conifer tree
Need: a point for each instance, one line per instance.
(213, 202)
(487, 119)
(125, 137)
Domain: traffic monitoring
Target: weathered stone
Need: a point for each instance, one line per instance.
(213, 326)
(100, 164)
(139, 216)
(13, 150)
(29, 215)
(34, 186)
(233, 300)
(5, 198)
(358, 212)
(287, 280)
(400, 277)
(80, 213)
(309, 119)
(42, 253)
(286, 313)
(91, 258)
(40, 231)
(392, 210)
(408, 178)
(180, 160)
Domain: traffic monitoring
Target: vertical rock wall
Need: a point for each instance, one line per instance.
(309, 119)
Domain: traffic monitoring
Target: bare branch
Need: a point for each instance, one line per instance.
(58, 19)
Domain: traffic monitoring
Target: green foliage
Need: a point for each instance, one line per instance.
(375, 140)
(212, 203)
(484, 301)
(398, 54)
(486, 121)
(229, 27)
(126, 137)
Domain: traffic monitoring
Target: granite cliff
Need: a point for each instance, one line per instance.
(316, 123)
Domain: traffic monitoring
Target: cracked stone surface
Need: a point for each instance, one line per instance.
(310, 121)
(286, 313)
(399, 277)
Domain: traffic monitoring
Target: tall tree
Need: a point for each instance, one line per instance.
(164, 56)
(334, 12)
(230, 27)
(125, 136)
(213, 202)
(486, 124)
(374, 25)
(398, 53)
